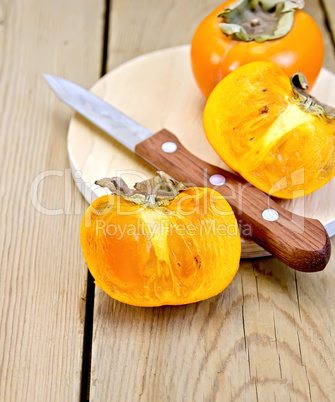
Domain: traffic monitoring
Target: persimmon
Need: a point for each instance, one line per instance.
(268, 129)
(240, 32)
(160, 244)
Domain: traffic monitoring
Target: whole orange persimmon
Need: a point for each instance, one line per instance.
(163, 247)
(268, 129)
(240, 32)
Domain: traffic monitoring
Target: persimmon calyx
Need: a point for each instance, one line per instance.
(306, 101)
(259, 20)
(158, 191)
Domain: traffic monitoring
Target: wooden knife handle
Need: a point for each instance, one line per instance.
(301, 243)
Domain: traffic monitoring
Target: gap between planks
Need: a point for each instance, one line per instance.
(89, 315)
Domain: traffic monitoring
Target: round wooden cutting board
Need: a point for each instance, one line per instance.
(158, 91)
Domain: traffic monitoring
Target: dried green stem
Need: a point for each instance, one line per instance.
(307, 101)
(259, 20)
(157, 191)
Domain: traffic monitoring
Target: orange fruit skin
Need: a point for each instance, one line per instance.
(257, 127)
(183, 259)
(214, 55)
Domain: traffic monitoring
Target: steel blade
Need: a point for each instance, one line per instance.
(102, 114)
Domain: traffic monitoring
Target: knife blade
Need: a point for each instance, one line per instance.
(302, 243)
(109, 119)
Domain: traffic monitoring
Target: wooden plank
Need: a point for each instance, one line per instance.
(314, 9)
(267, 337)
(329, 7)
(154, 25)
(171, 353)
(43, 274)
(263, 338)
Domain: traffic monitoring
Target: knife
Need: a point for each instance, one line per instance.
(301, 243)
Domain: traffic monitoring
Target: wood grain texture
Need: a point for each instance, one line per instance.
(136, 30)
(43, 275)
(300, 242)
(268, 337)
(314, 8)
(328, 8)
(258, 340)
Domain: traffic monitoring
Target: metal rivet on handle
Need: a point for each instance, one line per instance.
(169, 147)
(270, 215)
(217, 180)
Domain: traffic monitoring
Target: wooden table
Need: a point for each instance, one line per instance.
(269, 336)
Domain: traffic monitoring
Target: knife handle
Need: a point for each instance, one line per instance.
(301, 243)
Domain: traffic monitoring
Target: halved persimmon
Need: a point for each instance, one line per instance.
(169, 246)
(269, 130)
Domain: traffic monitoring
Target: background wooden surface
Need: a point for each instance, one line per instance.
(269, 336)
